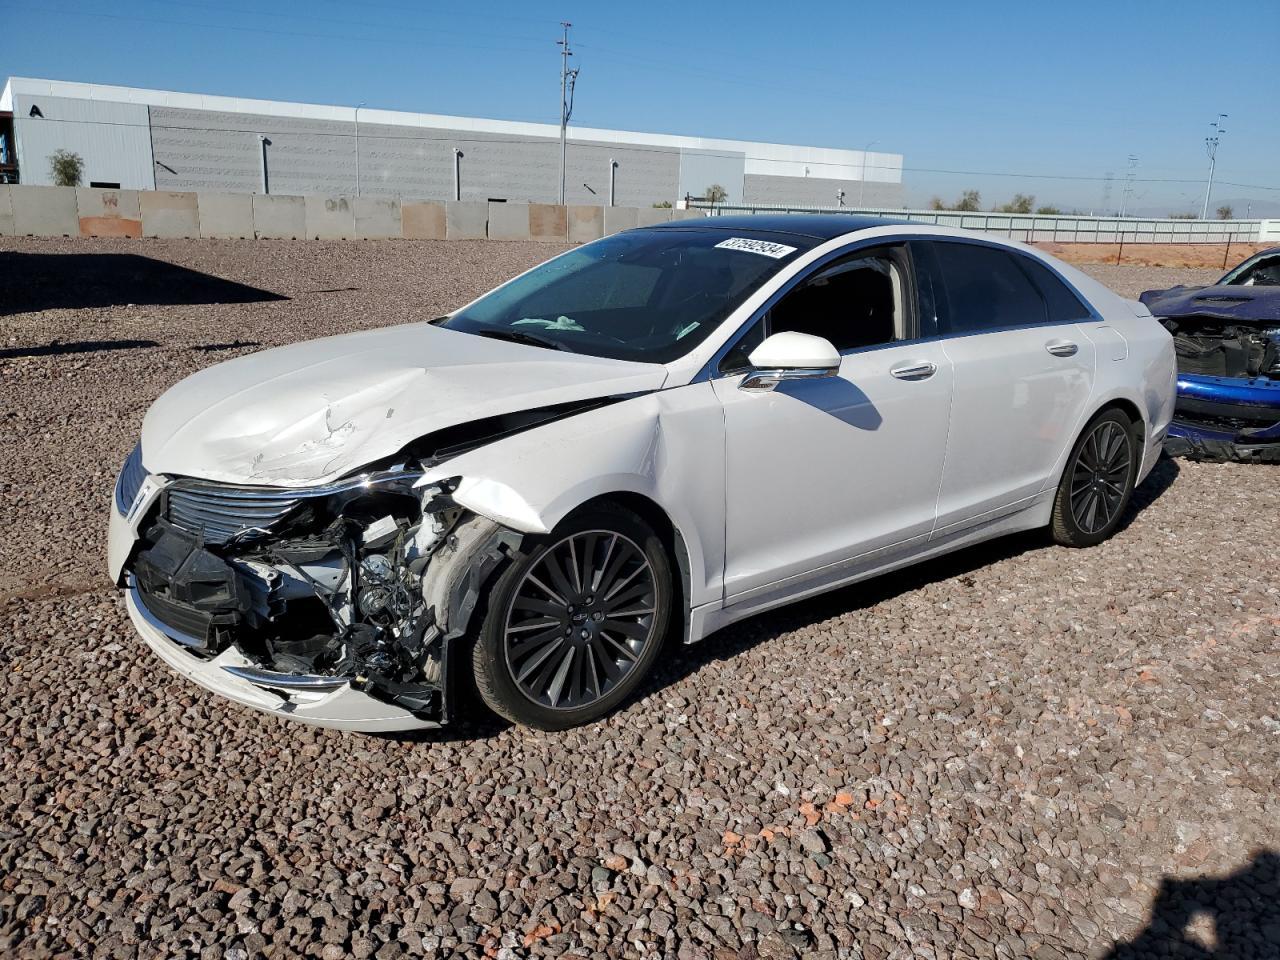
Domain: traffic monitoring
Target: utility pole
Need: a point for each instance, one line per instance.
(568, 80)
(1211, 147)
(1128, 184)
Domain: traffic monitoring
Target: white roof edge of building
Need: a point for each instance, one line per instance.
(6, 96)
(888, 166)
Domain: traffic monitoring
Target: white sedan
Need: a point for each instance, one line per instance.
(646, 438)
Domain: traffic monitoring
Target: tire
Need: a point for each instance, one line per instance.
(575, 621)
(1099, 474)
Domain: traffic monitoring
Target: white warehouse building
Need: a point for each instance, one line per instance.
(160, 140)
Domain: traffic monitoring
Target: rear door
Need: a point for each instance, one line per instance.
(1024, 373)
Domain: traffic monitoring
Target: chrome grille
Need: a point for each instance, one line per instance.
(219, 512)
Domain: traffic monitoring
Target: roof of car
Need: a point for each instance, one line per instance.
(819, 226)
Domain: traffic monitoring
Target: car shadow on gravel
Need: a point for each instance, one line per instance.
(1213, 918)
(31, 282)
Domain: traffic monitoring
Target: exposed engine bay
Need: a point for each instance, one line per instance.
(1214, 347)
(334, 588)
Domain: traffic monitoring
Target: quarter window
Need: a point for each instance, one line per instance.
(986, 289)
(1063, 305)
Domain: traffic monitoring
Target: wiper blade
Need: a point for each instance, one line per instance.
(520, 336)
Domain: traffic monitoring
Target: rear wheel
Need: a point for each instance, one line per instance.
(1097, 482)
(575, 622)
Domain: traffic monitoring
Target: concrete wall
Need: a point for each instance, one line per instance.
(422, 220)
(169, 215)
(70, 211)
(377, 218)
(6, 212)
(226, 216)
(330, 218)
(44, 211)
(279, 218)
(108, 213)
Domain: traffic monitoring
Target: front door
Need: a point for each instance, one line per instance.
(824, 475)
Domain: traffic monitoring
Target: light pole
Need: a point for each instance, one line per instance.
(1211, 147)
(862, 180)
(613, 179)
(358, 106)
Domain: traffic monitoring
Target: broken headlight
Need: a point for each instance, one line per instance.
(130, 480)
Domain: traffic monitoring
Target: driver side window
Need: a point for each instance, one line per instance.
(857, 301)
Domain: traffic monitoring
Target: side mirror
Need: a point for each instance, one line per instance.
(790, 356)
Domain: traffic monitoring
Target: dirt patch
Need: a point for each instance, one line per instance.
(1217, 256)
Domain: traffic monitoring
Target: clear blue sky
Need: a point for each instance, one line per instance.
(1019, 87)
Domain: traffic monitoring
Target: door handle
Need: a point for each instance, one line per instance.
(914, 371)
(1062, 348)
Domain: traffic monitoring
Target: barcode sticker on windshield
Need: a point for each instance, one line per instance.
(765, 248)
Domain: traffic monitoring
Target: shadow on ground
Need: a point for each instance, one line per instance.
(1213, 918)
(57, 348)
(46, 281)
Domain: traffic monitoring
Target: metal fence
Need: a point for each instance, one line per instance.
(1040, 228)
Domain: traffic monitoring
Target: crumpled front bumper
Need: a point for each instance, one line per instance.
(341, 707)
(1225, 418)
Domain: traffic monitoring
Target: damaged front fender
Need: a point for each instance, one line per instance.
(666, 447)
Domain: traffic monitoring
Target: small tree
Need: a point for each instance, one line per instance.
(1020, 203)
(1225, 212)
(717, 193)
(1048, 211)
(969, 201)
(1182, 216)
(66, 168)
(937, 204)
(662, 205)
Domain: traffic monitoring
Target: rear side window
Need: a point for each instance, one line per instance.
(986, 289)
(1064, 306)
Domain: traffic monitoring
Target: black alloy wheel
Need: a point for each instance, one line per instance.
(575, 623)
(1097, 483)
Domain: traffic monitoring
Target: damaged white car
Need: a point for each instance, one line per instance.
(650, 436)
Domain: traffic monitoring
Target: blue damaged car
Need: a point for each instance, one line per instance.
(1227, 338)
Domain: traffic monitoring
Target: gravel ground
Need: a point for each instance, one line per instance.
(1020, 750)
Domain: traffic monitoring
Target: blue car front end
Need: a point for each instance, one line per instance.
(1227, 338)
(1226, 418)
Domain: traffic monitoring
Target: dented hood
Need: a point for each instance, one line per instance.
(1233, 303)
(311, 412)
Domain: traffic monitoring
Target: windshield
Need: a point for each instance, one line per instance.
(1261, 271)
(647, 295)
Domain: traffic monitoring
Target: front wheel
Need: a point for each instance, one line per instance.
(1097, 482)
(575, 622)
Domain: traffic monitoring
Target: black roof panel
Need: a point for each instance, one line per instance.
(819, 226)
